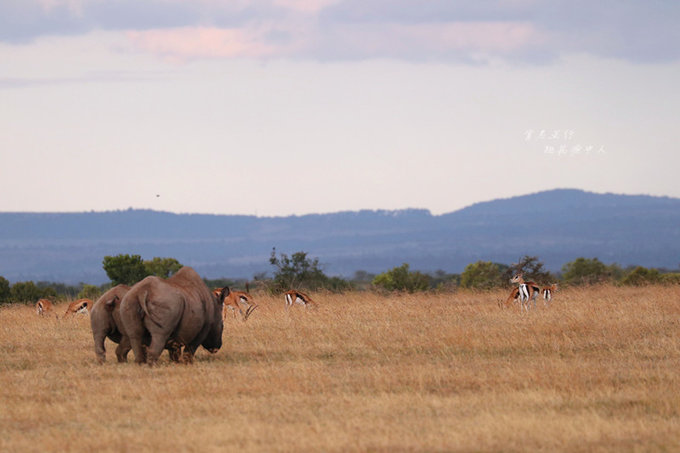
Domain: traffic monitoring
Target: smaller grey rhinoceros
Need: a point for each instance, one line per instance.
(105, 322)
(178, 312)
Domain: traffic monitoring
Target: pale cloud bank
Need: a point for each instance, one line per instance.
(441, 30)
(299, 106)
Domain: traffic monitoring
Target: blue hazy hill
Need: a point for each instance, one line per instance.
(557, 225)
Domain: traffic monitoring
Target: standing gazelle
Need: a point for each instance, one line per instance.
(547, 292)
(232, 301)
(527, 291)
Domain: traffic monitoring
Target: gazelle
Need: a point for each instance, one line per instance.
(547, 292)
(300, 298)
(78, 306)
(512, 297)
(44, 307)
(232, 301)
(526, 291)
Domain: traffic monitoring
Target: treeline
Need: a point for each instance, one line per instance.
(299, 271)
(489, 275)
(581, 271)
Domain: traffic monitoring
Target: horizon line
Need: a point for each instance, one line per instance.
(347, 211)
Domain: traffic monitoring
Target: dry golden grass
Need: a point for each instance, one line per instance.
(597, 371)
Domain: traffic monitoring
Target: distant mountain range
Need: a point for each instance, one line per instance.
(557, 226)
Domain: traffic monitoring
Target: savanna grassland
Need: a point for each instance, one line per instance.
(599, 370)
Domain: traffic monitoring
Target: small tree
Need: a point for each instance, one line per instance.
(585, 271)
(91, 292)
(641, 276)
(671, 279)
(482, 275)
(531, 268)
(162, 267)
(125, 269)
(401, 279)
(300, 272)
(25, 292)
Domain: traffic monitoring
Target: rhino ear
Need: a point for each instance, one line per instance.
(224, 293)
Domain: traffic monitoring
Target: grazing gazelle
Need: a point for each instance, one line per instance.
(527, 291)
(547, 292)
(514, 294)
(298, 297)
(44, 307)
(79, 306)
(232, 301)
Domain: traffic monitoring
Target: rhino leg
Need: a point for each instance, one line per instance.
(135, 338)
(188, 356)
(175, 350)
(155, 349)
(123, 349)
(99, 348)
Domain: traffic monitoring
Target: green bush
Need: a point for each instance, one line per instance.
(670, 279)
(530, 267)
(125, 269)
(482, 275)
(585, 271)
(162, 267)
(26, 292)
(91, 292)
(300, 272)
(401, 279)
(641, 276)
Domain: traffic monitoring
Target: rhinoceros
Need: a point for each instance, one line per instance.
(177, 312)
(106, 323)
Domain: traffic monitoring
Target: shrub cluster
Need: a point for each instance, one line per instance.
(299, 271)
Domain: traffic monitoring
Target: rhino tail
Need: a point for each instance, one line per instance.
(145, 309)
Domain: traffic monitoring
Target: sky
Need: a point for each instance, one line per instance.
(282, 107)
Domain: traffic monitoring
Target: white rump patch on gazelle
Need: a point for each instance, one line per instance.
(43, 307)
(296, 297)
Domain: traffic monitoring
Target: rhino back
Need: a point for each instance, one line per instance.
(199, 312)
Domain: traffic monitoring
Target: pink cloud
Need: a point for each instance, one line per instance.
(304, 38)
(203, 42)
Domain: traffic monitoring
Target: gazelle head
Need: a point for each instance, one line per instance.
(246, 299)
(233, 300)
(80, 306)
(517, 278)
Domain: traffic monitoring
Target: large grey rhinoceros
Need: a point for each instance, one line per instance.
(177, 312)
